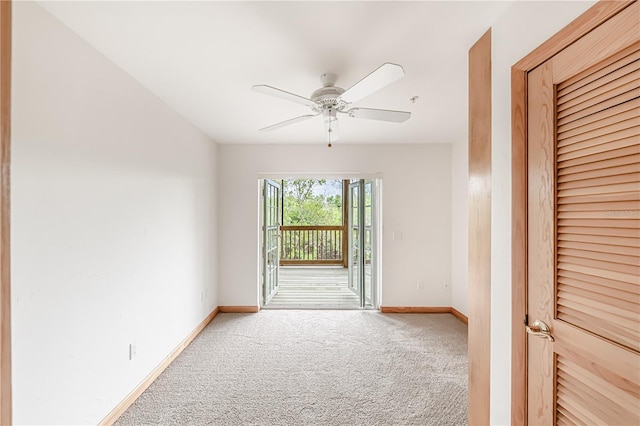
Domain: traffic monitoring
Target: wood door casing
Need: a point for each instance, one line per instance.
(480, 230)
(583, 187)
(5, 244)
(540, 240)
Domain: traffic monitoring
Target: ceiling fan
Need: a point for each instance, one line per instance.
(330, 100)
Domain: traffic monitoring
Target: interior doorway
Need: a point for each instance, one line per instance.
(318, 243)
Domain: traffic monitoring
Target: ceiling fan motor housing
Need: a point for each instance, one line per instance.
(327, 96)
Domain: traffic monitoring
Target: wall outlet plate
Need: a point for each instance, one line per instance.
(133, 351)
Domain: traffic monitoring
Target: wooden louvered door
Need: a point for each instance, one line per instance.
(583, 229)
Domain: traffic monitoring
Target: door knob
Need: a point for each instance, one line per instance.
(539, 328)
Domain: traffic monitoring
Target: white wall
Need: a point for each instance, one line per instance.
(523, 27)
(460, 226)
(416, 202)
(113, 227)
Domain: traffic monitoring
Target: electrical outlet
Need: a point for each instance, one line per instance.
(133, 351)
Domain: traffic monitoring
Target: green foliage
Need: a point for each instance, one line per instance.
(312, 202)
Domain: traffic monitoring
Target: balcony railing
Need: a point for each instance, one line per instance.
(311, 245)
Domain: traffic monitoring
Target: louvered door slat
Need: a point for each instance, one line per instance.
(626, 337)
(612, 206)
(598, 213)
(604, 273)
(609, 65)
(601, 256)
(597, 119)
(603, 265)
(605, 285)
(603, 198)
(596, 290)
(610, 143)
(577, 407)
(627, 160)
(626, 311)
(631, 187)
(592, 104)
(617, 126)
(594, 173)
(632, 244)
(593, 160)
(569, 116)
(615, 388)
(632, 234)
(623, 75)
(615, 87)
(597, 310)
(593, 400)
(567, 417)
(590, 214)
(600, 119)
(599, 248)
(583, 147)
(611, 85)
(605, 177)
(572, 397)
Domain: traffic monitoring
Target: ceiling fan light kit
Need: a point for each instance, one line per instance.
(330, 100)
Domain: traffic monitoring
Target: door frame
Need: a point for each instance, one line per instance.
(377, 179)
(5, 212)
(592, 18)
(361, 184)
(357, 287)
(266, 183)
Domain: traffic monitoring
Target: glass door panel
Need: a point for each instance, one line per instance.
(354, 237)
(271, 228)
(367, 243)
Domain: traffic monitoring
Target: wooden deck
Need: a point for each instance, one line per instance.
(314, 287)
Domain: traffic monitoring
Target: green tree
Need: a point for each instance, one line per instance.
(307, 203)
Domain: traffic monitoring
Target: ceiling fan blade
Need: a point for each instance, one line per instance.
(268, 90)
(288, 122)
(381, 77)
(379, 114)
(332, 129)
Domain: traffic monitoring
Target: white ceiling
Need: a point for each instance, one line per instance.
(202, 58)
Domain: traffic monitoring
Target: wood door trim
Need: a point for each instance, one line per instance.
(415, 309)
(425, 310)
(5, 213)
(592, 18)
(239, 309)
(576, 29)
(462, 317)
(480, 230)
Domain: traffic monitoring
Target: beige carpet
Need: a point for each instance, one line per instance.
(314, 368)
